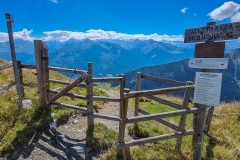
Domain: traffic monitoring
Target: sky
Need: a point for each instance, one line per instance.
(116, 19)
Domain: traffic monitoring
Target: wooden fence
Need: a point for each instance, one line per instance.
(48, 97)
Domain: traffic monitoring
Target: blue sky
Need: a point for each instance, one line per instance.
(64, 19)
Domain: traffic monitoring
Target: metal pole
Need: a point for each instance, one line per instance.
(14, 60)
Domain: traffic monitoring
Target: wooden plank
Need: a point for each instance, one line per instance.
(160, 115)
(28, 66)
(70, 106)
(7, 87)
(68, 88)
(138, 88)
(156, 138)
(163, 80)
(6, 66)
(20, 79)
(107, 79)
(209, 50)
(199, 131)
(70, 95)
(166, 123)
(30, 84)
(157, 91)
(182, 121)
(67, 70)
(213, 33)
(89, 94)
(113, 118)
(163, 101)
(108, 99)
(66, 83)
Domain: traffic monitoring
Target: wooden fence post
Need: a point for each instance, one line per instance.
(209, 116)
(89, 93)
(123, 104)
(19, 66)
(41, 56)
(199, 124)
(138, 87)
(14, 60)
(182, 121)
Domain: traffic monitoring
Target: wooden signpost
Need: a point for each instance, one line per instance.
(209, 49)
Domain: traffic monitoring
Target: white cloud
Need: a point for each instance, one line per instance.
(194, 14)
(227, 10)
(184, 10)
(61, 35)
(236, 17)
(24, 34)
(54, 1)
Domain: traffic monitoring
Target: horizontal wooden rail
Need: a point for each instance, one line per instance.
(65, 83)
(7, 87)
(156, 138)
(67, 70)
(166, 123)
(109, 99)
(160, 115)
(30, 85)
(163, 101)
(6, 66)
(70, 95)
(28, 66)
(163, 80)
(96, 115)
(107, 79)
(70, 106)
(157, 91)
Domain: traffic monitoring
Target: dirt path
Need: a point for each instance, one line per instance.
(68, 141)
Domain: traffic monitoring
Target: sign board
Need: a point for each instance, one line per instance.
(208, 63)
(213, 33)
(207, 88)
(209, 50)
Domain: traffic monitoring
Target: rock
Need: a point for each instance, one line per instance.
(75, 121)
(79, 148)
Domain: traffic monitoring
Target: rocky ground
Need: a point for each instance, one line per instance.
(68, 141)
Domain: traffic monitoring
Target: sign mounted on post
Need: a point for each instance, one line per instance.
(208, 88)
(208, 63)
(213, 33)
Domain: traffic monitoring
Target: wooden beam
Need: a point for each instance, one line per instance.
(28, 66)
(67, 70)
(89, 95)
(70, 106)
(163, 101)
(157, 91)
(6, 66)
(109, 99)
(7, 87)
(71, 95)
(30, 84)
(138, 88)
(156, 138)
(113, 118)
(160, 115)
(166, 123)
(107, 79)
(68, 88)
(66, 83)
(163, 80)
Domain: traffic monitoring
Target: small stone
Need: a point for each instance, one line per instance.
(66, 127)
(80, 131)
(75, 121)
(74, 115)
(80, 148)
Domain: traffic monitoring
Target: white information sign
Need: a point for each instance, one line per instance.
(208, 63)
(207, 88)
